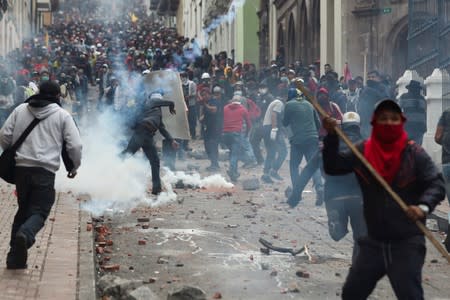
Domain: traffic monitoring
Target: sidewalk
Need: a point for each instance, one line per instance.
(60, 264)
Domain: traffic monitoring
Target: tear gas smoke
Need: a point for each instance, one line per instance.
(228, 17)
(116, 184)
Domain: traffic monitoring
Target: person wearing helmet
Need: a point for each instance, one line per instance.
(394, 245)
(343, 198)
(148, 122)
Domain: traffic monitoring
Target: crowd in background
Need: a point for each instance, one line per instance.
(94, 44)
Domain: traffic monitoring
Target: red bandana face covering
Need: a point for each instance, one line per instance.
(384, 149)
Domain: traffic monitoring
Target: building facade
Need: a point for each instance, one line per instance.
(20, 19)
(368, 34)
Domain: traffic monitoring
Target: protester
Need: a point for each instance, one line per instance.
(274, 141)
(37, 161)
(343, 198)
(234, 117)
(414, 107)
(394, 246)
(148, 122)
(302, 123)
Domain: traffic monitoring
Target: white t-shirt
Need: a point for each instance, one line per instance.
(276, 106)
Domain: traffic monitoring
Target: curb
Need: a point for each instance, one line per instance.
(86, 266)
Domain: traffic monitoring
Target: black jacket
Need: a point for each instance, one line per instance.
(150, 117)
(369, 97)
(345, 186)
(417, 182)
(414, 107)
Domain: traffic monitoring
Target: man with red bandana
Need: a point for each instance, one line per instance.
(394, 246)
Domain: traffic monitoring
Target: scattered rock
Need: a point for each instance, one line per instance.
(143, 220)
(152, 280)
(217, 295)
(162, 260)
(142, 242)
(187, 292)
(265, 266)
(251, 257)
(432, 225)
(274, 273)
(265, 251)
(337, 274)
(145, 226)
(111, 268)
(302, 274)
(179, 265)
(434, 261)
(141, 293)
(89, 227)
(118, 288)
(251, 184)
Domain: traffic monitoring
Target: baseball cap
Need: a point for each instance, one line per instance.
(351, 117)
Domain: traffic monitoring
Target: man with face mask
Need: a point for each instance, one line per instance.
(394, 245)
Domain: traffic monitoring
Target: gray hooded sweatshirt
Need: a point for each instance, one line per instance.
(43, 146)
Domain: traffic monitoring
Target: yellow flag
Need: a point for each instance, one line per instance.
(134, 18)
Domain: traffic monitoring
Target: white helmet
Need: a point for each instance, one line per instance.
(351, 117)
(206, 76)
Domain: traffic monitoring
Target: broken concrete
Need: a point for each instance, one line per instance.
(141, 293)
(116, 287)
(187, 292)
(251, 184)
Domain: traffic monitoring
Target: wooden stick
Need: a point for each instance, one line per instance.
(374, 173)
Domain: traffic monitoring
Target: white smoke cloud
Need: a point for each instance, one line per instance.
(118, 185)
(228, 17)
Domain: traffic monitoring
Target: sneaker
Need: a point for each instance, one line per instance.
(293, 201)
(249, 165)
(319, 200)
(213, 168)
(18, 258)
(233, 177)
(266, 178)
(275, 175)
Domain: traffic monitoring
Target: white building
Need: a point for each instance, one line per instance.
(20, 20)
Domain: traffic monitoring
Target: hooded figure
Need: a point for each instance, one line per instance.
(37, 160)
(394, 245)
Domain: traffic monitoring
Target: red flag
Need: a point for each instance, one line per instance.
(347, 73)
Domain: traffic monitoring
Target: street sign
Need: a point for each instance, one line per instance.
(386, 10)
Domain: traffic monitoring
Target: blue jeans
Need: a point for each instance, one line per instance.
(247, 155)
(276, 150)
(312, 169)
(233, 141)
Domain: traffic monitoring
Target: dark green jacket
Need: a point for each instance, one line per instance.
(301, 120)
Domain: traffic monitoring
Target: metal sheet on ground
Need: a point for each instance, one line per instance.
(170, 82)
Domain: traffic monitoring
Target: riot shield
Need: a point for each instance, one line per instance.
(169, 83)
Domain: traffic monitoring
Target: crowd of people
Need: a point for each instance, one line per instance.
(229, 104)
